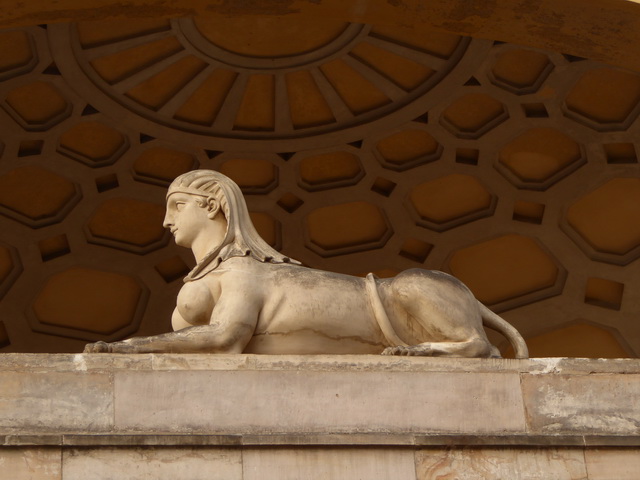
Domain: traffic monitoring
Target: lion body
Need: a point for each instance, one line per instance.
(291, 309)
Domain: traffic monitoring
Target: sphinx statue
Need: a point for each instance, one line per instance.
(245, 297)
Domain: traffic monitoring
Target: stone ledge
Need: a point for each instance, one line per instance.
(251, 400)
(326, 462)
(127, 440)
(34, 362)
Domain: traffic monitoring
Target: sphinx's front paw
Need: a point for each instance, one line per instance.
(98, 347)
(115, 347)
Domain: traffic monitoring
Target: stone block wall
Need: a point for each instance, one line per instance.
(246, 417)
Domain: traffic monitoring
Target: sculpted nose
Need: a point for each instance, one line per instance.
(168, 221)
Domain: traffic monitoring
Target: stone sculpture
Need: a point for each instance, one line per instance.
(245, 297)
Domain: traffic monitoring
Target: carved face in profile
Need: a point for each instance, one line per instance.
(189, 217)
(207, 213)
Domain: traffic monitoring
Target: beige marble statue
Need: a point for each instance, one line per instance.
(245, 297)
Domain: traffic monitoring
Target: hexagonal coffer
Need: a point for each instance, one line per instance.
(605, 99)
(160, 165)
(449, 201)
(88, 304)
(36, 197)
(128, 224)
(329, 170)
(253, 175)
(473, 115)
(37, 106)
(346, 228)
(540, 157)
(93, 143)
(508, 271)
(520, 71)
(18, 53)
(407, 149)
(604, 222)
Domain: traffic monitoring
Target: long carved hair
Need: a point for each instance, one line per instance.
(241, 238)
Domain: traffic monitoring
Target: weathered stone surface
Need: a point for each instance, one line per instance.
(249, 417)
(501, 463)
(233, 400)
(355, 363)
(43, 439)
(144, 440)
(569, 366)
(34, 362)
(316, 402)
(613, 464)
(591, 404)
(317, 439)
(95, 363)
(333, 463)
(30, 463)
(354, 439)
(152, 464)
(55, 401)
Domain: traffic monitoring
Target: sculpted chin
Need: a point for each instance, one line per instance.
(245, 297)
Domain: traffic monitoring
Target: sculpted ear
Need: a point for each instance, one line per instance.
(212, 207)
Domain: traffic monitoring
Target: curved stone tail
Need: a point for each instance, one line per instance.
(380, 314)
(499, 324)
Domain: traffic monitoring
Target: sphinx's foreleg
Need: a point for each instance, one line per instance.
(199, 339)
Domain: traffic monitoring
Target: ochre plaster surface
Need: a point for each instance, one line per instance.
(598, 29)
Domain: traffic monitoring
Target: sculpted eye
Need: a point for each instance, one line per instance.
(180, 206)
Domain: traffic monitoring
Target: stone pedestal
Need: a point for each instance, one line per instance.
(251, 417)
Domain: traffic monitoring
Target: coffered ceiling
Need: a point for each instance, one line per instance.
(360, 146)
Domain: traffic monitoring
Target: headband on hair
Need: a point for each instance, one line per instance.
(188, 191)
